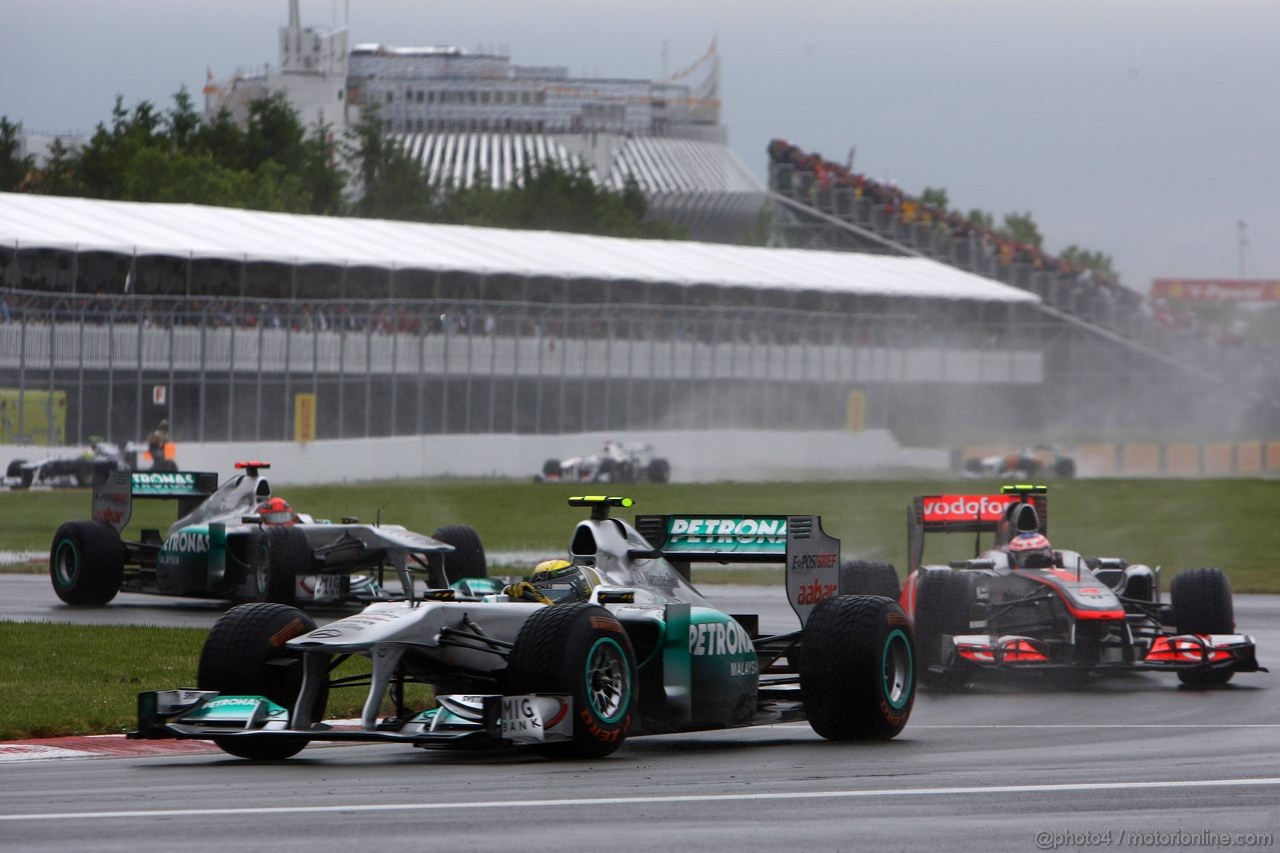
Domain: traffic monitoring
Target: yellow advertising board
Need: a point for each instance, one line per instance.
(33, 417)
(857, 411)
(304, 418)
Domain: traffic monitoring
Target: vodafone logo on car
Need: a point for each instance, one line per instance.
(967, 507)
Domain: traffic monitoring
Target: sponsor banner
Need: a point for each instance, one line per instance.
(189, 540)
(943, 508)
(1217, 289)
(737, 534)
(1142, 460)
(175, 484)
(536, 718)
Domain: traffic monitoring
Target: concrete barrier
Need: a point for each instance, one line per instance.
(748, 455)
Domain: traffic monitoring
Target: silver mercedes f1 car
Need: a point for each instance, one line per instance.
(238, 541)
(627, 646)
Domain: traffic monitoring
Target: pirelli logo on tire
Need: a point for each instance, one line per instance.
(603, 623)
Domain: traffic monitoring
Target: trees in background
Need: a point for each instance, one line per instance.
(275, 163)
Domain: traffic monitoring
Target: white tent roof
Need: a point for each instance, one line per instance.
(183, 230)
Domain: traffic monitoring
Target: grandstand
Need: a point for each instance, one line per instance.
(822, 204)
(404, 328)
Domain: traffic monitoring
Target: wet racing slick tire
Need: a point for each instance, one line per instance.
(245, 655)
(282, 554)
(659, 471)
(86, 562)
(869, 577)
(1201, 600)
(580, 649)
(857, 668)
(467, 560)
(942, 609)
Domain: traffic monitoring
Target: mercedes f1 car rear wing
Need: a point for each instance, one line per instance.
(811, 557)
(1017, 509)
(113, 497)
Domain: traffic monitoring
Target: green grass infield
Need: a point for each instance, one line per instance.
(1176, 524)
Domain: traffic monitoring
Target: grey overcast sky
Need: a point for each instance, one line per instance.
(1146, 129)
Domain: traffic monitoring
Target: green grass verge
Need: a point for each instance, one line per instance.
(85, 679)
(1174, 523)
(60, 679)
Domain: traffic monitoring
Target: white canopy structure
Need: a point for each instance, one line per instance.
(29, 222)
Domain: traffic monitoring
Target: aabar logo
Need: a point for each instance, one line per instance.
(967, 507)
(813, 593)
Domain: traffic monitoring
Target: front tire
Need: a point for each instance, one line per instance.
(467, 559)
(245, 655)
(86, 562)
(580, 649)
(283, 554)
(857, 668)
(1202, 604)
(942, 609)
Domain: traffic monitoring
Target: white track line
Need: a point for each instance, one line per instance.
(915, 726)
(983, 790)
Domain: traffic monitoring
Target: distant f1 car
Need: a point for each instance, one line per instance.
(1027, 463)
(627, 647)
(1020, 605)
(616, 463)
(80, 469)
(236, 541)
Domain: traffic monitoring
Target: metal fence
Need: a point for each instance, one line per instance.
(222, 369)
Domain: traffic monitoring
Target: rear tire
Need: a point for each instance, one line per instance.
(869, 577)
(86, 562)
(467, 559)
(580, 649)
(245, 655)
(857, 668)
(283, 554)
(659, 471)
(942, 609)
(1202, 604)
(551, 468)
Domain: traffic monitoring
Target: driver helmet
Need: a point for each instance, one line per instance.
(1031, 551)
(276, 511)
(561, 580)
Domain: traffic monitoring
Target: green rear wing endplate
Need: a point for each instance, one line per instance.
(811, 557)
(113, 497)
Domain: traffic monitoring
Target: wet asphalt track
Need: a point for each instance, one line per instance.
(1008, 766)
